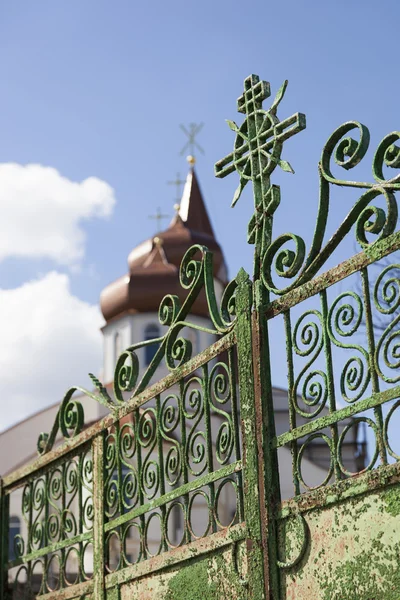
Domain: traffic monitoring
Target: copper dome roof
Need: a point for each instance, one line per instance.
(154, 264)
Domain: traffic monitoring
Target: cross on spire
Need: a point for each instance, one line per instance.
(256, 154)
(158, 217)
(192, 144)
(177, 183)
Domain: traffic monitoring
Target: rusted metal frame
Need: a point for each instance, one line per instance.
(291, 392)
(369, 255)
(71, 592)
(183, 490)
(209, 446)
(164, 524)
(18, 477)
(98, 523)
(50, 549)
(330, 382)
(365, 483)
(340, 414)
(235, 422)
(372, 367)
(251, 492)
(4, 531)
(183, 554)
(267, 464)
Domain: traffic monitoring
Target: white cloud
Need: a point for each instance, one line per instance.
(50, 340)
(42, 212)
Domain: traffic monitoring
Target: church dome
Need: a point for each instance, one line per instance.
(154, 264)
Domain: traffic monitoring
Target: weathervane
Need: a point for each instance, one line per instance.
(256, 154)
(192, 144)
(158, 217)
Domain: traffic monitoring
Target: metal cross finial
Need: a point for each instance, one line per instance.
(177, 183)
(192, 144)
(158, 218)
(256, 154)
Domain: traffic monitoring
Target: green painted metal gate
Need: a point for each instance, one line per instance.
(110, 513)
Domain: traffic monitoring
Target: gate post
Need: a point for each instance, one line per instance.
(248, 415)
(98, 524)
(4, 524)
(265, 432)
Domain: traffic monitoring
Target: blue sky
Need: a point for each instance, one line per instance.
(98, 89)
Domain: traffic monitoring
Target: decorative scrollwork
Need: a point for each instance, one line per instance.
(220, 395)
(170, 419)
(387, 302)
(147, 437)
(193, 410)
(344, 319)
(308, 343)
(126, 374)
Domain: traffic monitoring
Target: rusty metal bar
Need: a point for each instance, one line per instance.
(252, 498)
(98, 525)
(176, 493)
(368, 256)
(4, 526)
(189, 551)
(342, 490)
(340, 414)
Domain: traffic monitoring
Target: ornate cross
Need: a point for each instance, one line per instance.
(158, 218)
(177, 183)
(192, 144)
(256, 154)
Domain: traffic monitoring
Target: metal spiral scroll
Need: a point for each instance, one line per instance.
(387, 302)
(344, 320)
(291, 263)
(308, 343)
(220, 395)
(170, 421)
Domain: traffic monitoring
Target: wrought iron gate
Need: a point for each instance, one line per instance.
(90, 506)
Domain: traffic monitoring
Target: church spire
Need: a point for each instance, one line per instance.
(192, 210)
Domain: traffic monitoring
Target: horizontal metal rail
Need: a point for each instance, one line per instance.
(184, 489)
(367, 257)
(339, 415)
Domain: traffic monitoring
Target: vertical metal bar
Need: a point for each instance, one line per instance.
(4, 535)
(372, 367)
(185, 475)
(330, 383)
(98, 450)
(235, 425)
(268, 471)
(291, 400)
(207, 423)
(163, 508)
(142, 518)
(252, 500)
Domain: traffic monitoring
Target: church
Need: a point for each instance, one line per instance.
(130, 306)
